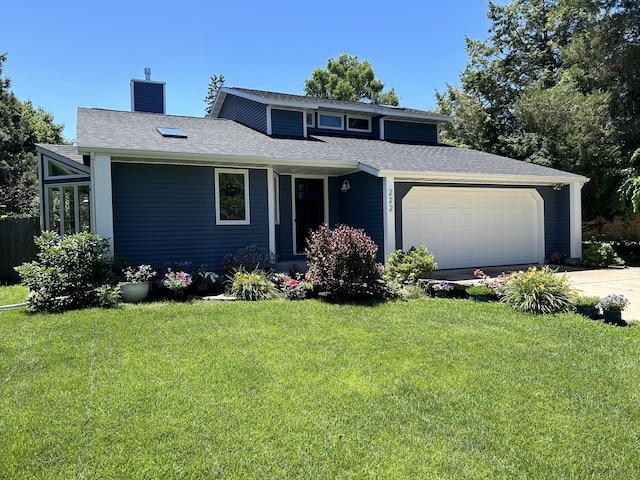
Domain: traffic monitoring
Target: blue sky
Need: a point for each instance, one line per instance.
(66, 54)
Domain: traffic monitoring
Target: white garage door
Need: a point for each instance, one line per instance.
(475, 227)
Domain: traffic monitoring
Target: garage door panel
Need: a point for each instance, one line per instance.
(466, 227)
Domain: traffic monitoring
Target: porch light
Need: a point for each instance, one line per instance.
(345, 186)
(557, 187)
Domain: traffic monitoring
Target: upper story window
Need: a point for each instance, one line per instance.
(359, 124)
(334, 122)
(311, 120)
(232, 196)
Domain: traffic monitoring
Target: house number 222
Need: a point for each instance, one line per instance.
(390, 199)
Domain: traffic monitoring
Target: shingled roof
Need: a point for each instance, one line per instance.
(212, 141)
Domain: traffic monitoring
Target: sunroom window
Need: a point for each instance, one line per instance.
(67, 208)
(232, 196)
(359, 124)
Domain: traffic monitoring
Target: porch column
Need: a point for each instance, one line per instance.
(271, 215)
(389, 215)
(102, 198)
(575, 220)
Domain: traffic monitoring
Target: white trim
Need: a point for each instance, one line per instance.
(381, 128)
(239, 171)
(358, 117)
(575, 220)
(328, 127)
(269, 121)
(389, 215)
(101, 206)
(271, 214)
(471, 178)
(325, 194)
(76, 205)
(41, 190)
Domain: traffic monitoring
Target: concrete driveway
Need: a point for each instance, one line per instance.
(602, 282)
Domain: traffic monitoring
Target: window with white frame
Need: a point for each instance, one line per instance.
(311, 120)
(67, 208)
(232, 196)
(334, 122)
(358, 124)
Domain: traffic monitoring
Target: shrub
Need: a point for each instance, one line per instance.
(293, 289)
(600, 255)
(252, 286)
(342, 263)
(538, 291)
(410, 266)
(69, 272)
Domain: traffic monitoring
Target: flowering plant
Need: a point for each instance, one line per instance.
(176, 281)
(203, 276)
(442, 287)
(142, 273)
(613, 303)
(495, 284)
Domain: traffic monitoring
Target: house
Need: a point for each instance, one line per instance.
(266, 167)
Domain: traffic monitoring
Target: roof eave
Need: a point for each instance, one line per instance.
(475, 178)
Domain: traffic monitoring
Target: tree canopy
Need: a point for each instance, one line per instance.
(346, 78)
(556, 83)
(21, 126)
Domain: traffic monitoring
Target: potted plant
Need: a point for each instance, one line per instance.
(587, 306)
(480, 293)
(135, 284)
(612, 307)
(176, 282)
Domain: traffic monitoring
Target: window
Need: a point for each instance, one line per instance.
(330, 121)
(232, 197)
(311, 120)
(67, 208)
(359, 124)
(54, 170)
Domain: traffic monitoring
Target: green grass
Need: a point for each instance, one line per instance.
(13, 294)
(431, 388)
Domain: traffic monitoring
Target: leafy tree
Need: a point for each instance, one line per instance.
(346, 78)
(629, 191)
(215, 84)
(556, 83)
(21, 126)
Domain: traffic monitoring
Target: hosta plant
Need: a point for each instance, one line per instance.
(538, 291)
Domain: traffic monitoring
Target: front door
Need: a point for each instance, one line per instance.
(309, 209)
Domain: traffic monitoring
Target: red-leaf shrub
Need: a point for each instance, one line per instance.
(342, 263)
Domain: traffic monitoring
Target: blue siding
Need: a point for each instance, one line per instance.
(166, 213)
(556, 214)
(247, 112)
(361, 207)
(556, 220)
(148, 97)
(287, 123)
(410, 132)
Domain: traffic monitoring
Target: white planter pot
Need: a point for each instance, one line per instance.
(134, 292)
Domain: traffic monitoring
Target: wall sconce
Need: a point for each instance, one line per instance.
(346, 186)
(557, 187)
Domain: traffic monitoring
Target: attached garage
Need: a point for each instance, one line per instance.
(470, 226)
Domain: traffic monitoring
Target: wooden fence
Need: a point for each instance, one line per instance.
(16, 245)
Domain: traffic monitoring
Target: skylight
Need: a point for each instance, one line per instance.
(171, 132)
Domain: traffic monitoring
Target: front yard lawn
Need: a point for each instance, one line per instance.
(430, 388)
